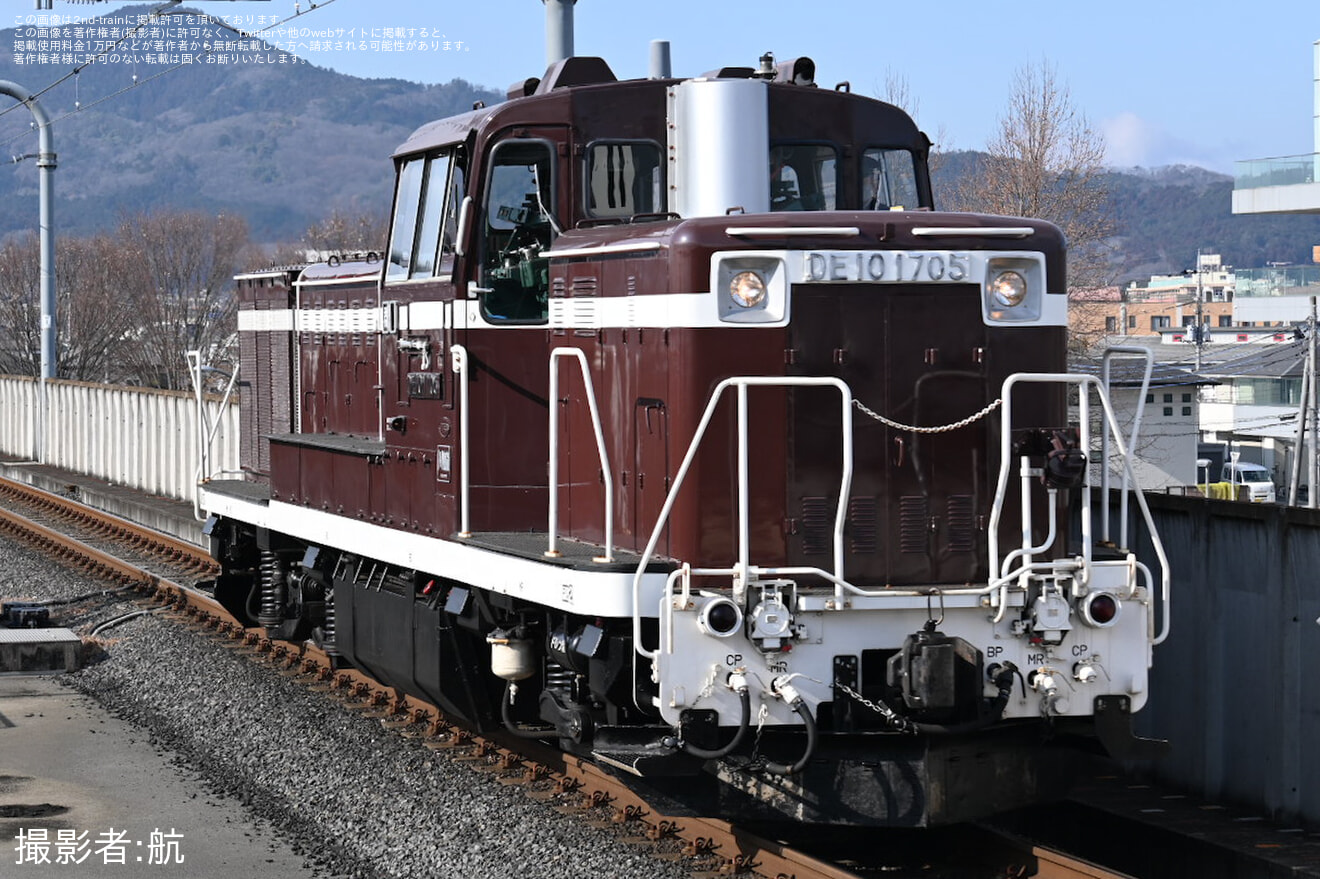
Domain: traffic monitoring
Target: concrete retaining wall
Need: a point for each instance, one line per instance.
(1231, 688)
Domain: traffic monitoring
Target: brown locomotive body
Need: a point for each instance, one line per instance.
(672, 402)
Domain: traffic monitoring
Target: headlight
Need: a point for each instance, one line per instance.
(1013, 290)
(747, 289)
(720, 618)
(1008, 289)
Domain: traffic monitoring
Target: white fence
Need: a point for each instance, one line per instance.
(137, 437)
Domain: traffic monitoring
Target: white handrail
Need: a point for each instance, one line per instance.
(206, 429)
(581, 358)
(1001, 489)
(845, 482)
(458, 360)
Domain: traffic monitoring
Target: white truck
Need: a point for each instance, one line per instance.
(1257, 478)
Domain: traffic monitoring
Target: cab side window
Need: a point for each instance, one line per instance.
(624, 179)
(432, 215)
(404, 231)
(519, 225)
(449, 230)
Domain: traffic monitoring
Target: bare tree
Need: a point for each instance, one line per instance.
(340, 233)
(20, 345)
(94, 315)
(897, 91)
(349, 233)
(181, 277)
(1046, 161)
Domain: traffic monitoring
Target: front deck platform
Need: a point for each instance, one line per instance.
(574, 554)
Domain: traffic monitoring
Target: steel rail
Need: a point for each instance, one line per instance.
(69, 509)
(90, 559)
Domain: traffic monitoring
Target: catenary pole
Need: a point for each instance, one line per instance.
(46, 165)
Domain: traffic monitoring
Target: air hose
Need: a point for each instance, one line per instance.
(809, 722)
(744, 721)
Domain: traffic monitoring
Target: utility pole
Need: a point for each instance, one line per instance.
(1200, 299)
(1313, 416)
(46, 197)
(1300, 439)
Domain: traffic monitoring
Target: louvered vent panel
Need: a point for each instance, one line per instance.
(584, 286)
(962, 524)
(816, 522)
(913, 514)
(861, 524)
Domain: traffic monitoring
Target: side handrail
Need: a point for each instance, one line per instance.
(742, 383)
(581, 359)
(458, 361)
(206, 428)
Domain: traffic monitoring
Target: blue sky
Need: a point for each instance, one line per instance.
(1201, 83)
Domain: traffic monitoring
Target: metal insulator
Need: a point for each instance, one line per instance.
(272, 591)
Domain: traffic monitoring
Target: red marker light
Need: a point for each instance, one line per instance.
(1100, 609)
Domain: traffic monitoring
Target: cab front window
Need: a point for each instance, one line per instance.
(803, 177)
(889, 180)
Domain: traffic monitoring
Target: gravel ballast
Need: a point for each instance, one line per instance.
(354, 798)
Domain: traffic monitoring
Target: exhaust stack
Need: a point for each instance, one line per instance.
(660, 67)
(558, 30)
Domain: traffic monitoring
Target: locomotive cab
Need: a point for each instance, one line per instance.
(678, 427)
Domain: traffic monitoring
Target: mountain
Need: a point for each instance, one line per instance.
(285, 144)
(281, 144)
(1163, 215)
(1166, 214)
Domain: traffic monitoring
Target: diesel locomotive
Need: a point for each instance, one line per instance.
(676, 427)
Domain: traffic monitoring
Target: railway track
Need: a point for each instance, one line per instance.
(162, 571)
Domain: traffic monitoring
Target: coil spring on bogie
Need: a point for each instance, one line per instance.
(558, 678)
(272, 591)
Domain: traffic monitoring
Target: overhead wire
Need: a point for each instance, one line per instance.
(79, 68)
(154, 14)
